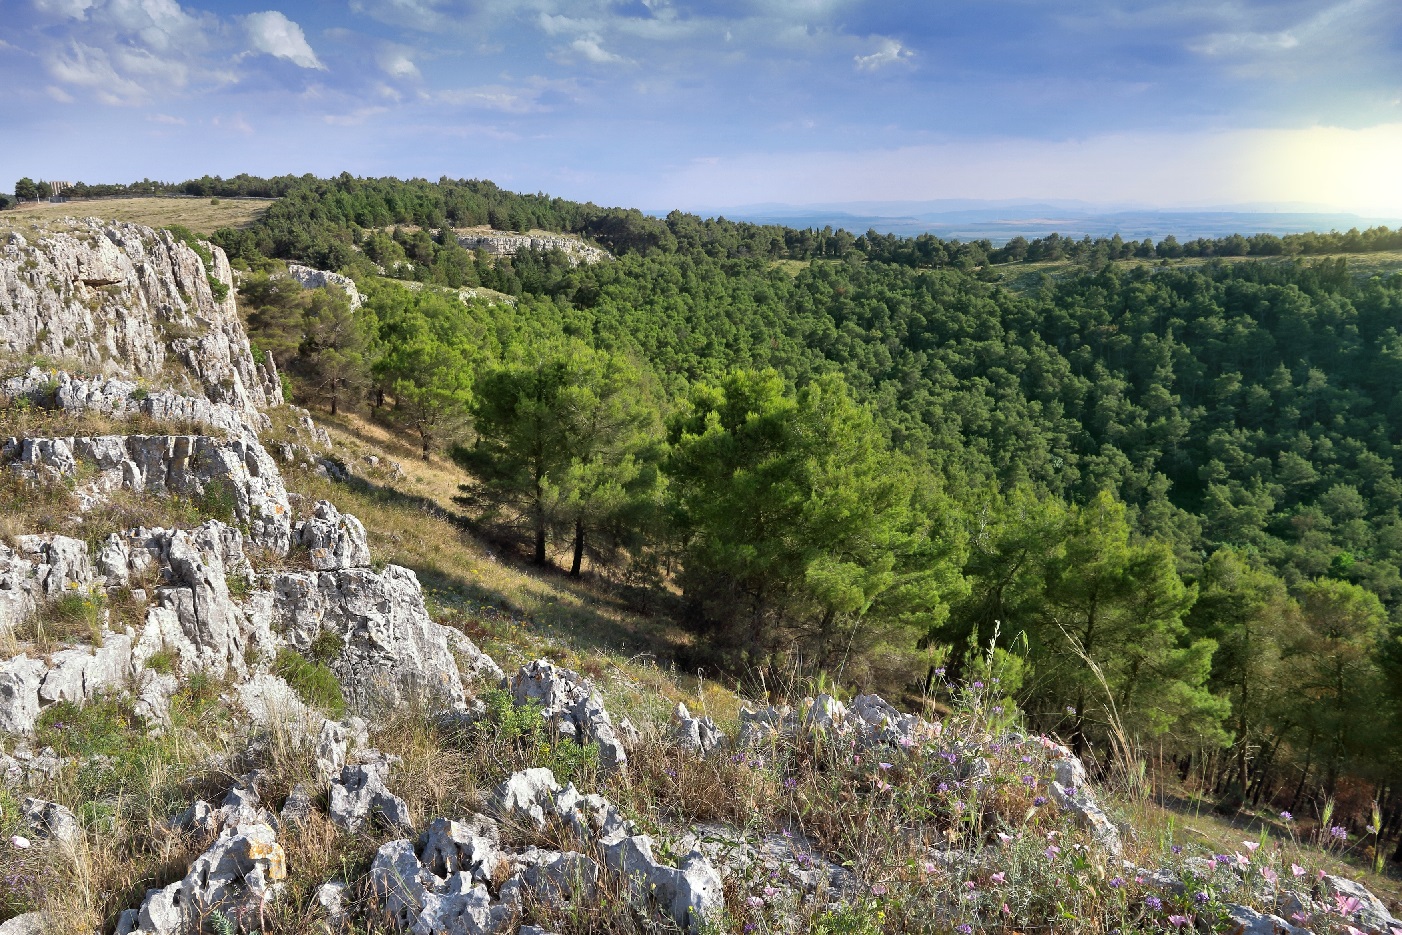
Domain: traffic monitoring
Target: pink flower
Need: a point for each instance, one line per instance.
(878, 889)
(1242, 861)
(929, 867)
(1006, 910)
(756, 902)
(1347, 905)
(1180, 921)
(884, 765)
(1052, 851)
(999, 877)
(1005, 838)
(1354, 931)
(1270, 875)
(969, 885)
(1297, 870)
(1251, 845)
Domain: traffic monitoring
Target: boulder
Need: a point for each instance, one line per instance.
(52, 820)
(696, 735)
(1251, 922)
(1369, 912)
(333, 539)
(1088, 814)
(31, 923)
(572, 706)
(240, 875)
(20, 679)
(360, 794)
(391, 652)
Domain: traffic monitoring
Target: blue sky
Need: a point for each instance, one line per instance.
(662, 103)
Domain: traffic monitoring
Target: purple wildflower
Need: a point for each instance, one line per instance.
(1153, 903)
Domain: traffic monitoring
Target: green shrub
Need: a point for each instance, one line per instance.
(313, 682)
(162, 661)
(101, 727)
(327, 646)
(217, 501)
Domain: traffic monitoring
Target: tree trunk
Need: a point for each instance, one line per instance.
(578, 547)
(333, 401)
(539, 557)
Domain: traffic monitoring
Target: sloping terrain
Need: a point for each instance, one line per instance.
(257, 677)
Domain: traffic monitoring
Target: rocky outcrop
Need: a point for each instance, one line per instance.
(334, 540)
(458, 877)
(122, 399)
(390, 651)
(500, 244)
(310, 278)
(690, 892)
(571, 706)
(42, 568)
(128, 300)
(234, 472)
(696, 735)
(239, 877)
(359, 795)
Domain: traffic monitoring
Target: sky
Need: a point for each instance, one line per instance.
(702, 104)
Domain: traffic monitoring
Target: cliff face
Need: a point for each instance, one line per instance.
(121, 299)
(509, 244)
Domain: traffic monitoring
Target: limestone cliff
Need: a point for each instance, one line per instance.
(124, 300)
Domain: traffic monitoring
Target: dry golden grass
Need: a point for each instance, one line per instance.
(200, 215)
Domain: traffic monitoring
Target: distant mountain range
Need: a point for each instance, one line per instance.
(999, 222)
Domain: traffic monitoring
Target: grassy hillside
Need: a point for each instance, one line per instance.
(204, 216)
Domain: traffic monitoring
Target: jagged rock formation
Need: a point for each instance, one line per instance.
(119, 399)
(572, 707)
(128, 300)
(500, 244)
(240, 874)
(320, 279)
(188, 465)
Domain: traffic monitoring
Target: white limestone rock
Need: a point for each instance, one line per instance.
(504, 244)
(391, 652)
(240, 875)
(128, 300)
(187, 465)
(334, 540)
(20, 678)
(696, 735)
(360, 795)
(310, 278)
(572, 706)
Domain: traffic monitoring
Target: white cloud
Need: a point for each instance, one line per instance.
(521, 99)
(73, 9)
(355, 117)
(272, 33)
(591, 49)
(58, 94)
(890, 52)
(166, 119)
(83, 66)
(395, 61)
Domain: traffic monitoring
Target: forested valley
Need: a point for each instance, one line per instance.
(1152, 500)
